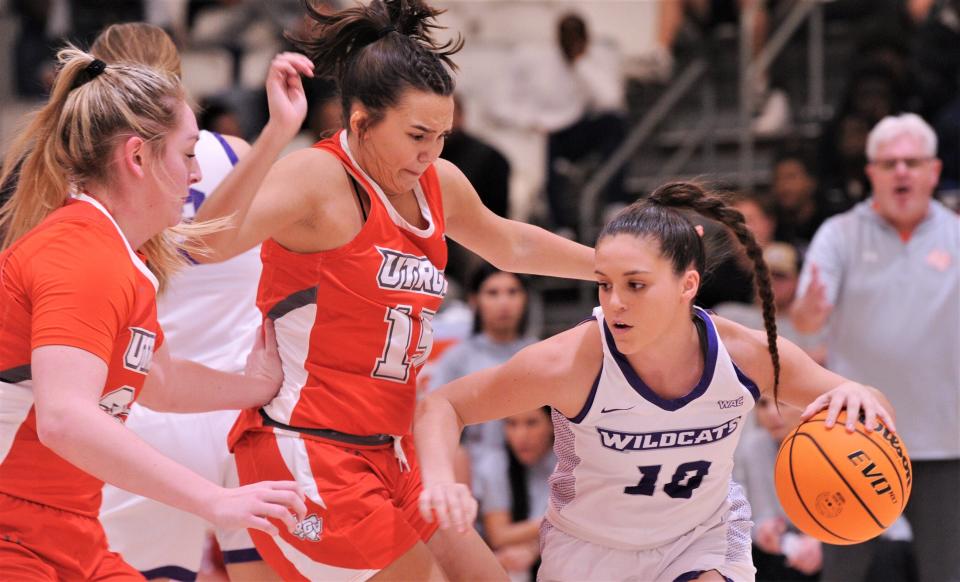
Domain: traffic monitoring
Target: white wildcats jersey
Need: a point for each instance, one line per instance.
(208, 313)
(636, 471)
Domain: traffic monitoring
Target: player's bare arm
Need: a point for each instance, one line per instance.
(509, 245)
(803, 383)
(176, 385)
(67, 384)
(558, 372)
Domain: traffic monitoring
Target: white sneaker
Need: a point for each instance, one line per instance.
(774, 116)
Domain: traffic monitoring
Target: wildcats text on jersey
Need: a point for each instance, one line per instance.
(644, 441)
(404, 272)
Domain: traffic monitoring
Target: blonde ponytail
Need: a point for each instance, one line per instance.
(70, 140)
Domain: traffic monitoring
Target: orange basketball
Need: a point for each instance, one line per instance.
(841, 487)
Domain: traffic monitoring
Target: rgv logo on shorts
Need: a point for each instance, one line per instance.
(403, 272)
(140, 350)
(310, 529)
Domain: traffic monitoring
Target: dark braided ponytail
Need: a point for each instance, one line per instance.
(662, 216)
(377, 51)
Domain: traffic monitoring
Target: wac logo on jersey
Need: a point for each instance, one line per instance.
(403, 272)
(140, 350)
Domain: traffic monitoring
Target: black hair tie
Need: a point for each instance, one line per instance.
(386, 30)
(89, 73)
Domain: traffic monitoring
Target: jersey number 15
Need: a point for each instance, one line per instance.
(395, 362)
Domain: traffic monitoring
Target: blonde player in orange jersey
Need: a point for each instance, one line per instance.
(354, 253)
(79, 331)
(208, 314)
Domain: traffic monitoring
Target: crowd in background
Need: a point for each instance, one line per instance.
(904, 63)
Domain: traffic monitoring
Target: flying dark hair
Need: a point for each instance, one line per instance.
(377, 51)
(661, 217)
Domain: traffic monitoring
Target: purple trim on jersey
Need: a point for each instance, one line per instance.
(746, 381)
(709, 364)
(587, 320)
(563, 483)
(231, 155)
(589, 403)
(171, 572)
(241, 556)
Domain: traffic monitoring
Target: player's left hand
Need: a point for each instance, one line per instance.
(285, 95)
(853, 397)
(263, 362)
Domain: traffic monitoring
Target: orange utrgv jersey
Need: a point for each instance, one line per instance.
(353, 323)
(71, 281)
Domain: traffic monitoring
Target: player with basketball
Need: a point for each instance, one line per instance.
(353, 252)
(78, 326)
(649, 398)
(208, 315)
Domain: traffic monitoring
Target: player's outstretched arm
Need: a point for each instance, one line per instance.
(72, 422)
(803, 382)
(509, 245)
(558, 372)
(235, 196)
(176, 385)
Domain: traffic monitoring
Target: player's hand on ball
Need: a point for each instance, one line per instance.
(252, 506)
(853, 397)
(449, 503)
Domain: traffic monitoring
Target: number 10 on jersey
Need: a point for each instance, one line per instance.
(395, 362)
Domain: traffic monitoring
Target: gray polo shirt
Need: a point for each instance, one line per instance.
(895, 323)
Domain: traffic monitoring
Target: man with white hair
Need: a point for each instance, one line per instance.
(883, 279)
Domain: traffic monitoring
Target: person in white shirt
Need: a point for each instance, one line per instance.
(575, 94)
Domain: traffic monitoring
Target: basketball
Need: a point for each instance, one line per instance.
(841, 487)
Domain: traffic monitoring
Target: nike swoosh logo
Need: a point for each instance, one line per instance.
(606, 410)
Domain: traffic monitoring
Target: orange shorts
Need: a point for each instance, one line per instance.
(362, 508)
(38, 542)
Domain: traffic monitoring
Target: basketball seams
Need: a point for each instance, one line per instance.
(896, 467)
(796, 489)
(842, 478)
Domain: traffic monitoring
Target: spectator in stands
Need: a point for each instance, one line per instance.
(33, 49)
(575, 94)
(487, 169)
(842, 161)
(489, 172)
(799, 208)
(783, 260)
(511, 488)
(884, 280)
(703, 16)
(499, 301)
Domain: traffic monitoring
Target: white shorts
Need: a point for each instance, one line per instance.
(722, 543)
(157, 539)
